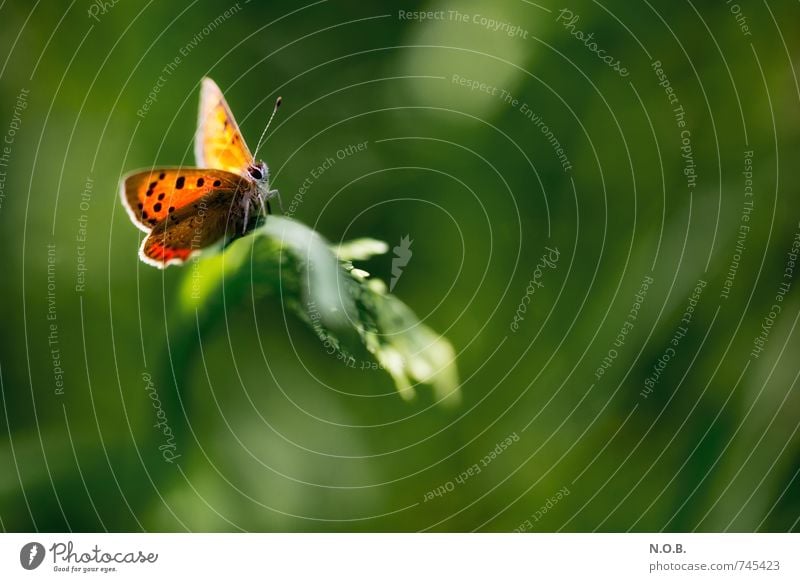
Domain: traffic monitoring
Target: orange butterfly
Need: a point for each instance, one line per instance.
(185, 210)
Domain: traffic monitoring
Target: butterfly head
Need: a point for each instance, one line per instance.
(259, 172)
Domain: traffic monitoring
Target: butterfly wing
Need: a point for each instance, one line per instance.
(214, 218)
(185, 209)
(218, 142)
(150, 196)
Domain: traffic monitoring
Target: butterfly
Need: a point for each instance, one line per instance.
(186, 210)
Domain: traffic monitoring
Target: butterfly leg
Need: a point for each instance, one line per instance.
(264, 206)
(275, 194)
(246, 217)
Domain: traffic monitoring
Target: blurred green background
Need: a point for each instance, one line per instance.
(273, 434)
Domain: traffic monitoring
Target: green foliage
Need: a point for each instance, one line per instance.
(457, 122)
(287, 260)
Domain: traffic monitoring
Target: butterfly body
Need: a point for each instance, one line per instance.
(187, 210)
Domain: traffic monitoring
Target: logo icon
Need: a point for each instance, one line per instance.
(31, 555)
(402, 254)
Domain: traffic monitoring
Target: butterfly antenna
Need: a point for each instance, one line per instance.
(263, 133)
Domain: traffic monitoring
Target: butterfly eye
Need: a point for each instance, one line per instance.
(256, 173)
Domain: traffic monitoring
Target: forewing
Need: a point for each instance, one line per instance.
(150, 196)
(218, 142)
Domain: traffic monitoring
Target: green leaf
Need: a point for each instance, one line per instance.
(342, 304)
